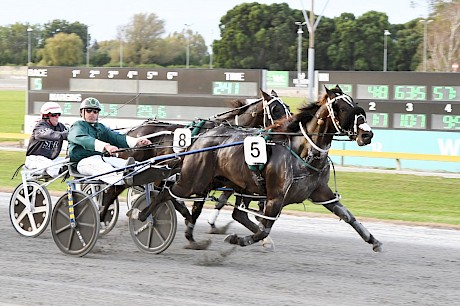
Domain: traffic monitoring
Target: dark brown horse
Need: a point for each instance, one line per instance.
(297, 167)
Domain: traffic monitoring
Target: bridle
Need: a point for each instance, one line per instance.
(268, 113)
(351, 133)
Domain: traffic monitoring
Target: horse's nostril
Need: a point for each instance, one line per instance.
(367, 137)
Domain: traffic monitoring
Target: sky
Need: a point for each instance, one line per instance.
(202, 16)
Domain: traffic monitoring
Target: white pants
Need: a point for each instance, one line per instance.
(97, 164)
(39, 162)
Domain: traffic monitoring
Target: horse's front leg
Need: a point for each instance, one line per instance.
(190, 225)
(242, 217)
(221, 202)
(262, 230)
(324, 194)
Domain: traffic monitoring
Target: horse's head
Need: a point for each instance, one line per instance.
(274, 108)
(347, 117)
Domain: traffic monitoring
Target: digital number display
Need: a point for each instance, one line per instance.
(445, 122)
(373, 92)
(410, 92)
(445, 93)
(402, 100)
(142, 111)
(378, 120)
(119, 110)
(409, 121)
(234, 89)
(151, 111)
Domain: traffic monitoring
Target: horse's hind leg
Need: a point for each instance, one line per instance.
(343, 213)
(137, 214)
(109, 197)
(196, 212)
(182, 209)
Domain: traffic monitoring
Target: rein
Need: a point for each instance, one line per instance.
(311, 141)
(123, 105)
(234, 109)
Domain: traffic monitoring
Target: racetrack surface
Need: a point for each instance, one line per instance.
(317, 261)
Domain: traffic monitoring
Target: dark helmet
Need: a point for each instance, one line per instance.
(90, 103)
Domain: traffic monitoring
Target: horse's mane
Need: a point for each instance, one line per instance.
(237, 106)
(304, 114)
(236, 103)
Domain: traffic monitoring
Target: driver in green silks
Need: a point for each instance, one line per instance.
(88, 140)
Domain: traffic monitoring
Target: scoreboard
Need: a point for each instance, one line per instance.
(402, 100)
(141, 93)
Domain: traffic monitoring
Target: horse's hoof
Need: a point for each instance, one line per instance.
(213, 230)
(220, 230)
(202, 245)
(268, 244)
(377, 247)
(232, 239)
(133, 213)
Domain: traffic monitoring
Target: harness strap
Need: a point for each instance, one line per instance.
(300, 158)
(197, 127)
(335, 199)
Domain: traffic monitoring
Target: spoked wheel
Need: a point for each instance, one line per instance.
(30, 222)
(80, 240)
(156, 235)
(132, 194)
(111, 217)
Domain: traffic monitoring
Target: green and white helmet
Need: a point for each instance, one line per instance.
(90, 103)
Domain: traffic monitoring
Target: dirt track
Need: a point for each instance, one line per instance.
(318, 261)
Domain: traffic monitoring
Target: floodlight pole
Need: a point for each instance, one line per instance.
(425, 34)
(29, 46)
(299, 49)
(385, 49)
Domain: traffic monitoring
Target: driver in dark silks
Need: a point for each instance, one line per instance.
(88, 139)
(46, 140)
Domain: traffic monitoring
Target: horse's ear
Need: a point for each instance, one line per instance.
(274, 94)
(329, 92)
(265, 95)
(338, 89)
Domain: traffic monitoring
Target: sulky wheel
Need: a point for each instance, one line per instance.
(111, 217)
(132, 194)
(156, 235)
(30, 222)
(80, 240)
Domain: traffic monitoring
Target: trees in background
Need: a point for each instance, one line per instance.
(257, 36)
(253, 35)
(444, 37)
(62, 50)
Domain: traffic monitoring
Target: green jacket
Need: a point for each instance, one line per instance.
(82, 138)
